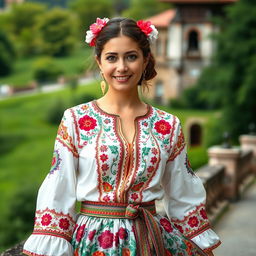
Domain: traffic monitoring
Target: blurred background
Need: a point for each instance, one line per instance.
(206, 64)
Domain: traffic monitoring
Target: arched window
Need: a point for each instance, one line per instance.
(193, 43)
(195, 135)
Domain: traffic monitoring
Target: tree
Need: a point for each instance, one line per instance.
(145, 8)
(231, 77)
(21, 25)
(89, 10)
(57, 32)
(7, 54)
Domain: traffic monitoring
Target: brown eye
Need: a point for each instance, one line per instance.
(132, 57)
(111, 58)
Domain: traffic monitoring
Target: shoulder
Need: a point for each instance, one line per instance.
(160, 114)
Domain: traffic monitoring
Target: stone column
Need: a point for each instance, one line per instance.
(248, 142)
(229, 158)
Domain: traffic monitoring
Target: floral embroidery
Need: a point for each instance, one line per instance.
(80, 233)
(91, 234)
(98, 253)
(166, 225)
(178, 147)
(107, 187)
(65, 139)
(87, 123)
(56, 160)
(163, 127)
(50, 222)
(137, 187)
(122, 233)
(194, 223)
(106, 239)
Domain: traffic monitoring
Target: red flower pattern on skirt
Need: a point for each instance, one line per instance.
(98, 253)
(79, 233)
(123, 234)
(106, 239)
(166, 225)
(163, 127)
(91, 235)
(126, 252)
(87, 123)
(203, 213)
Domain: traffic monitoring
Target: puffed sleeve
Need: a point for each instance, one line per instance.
(55, 211)
(185, 196)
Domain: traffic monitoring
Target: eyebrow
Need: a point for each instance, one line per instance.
(115, 53)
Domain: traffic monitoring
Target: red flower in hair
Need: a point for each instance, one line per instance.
(145, 26)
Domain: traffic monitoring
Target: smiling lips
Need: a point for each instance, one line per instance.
(122, 78)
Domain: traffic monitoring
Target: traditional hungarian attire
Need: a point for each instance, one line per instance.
(117, 184)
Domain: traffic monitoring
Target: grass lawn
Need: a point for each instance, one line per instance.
(27, 140)
(23, 68)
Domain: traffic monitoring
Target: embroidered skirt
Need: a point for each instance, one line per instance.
(113, 229)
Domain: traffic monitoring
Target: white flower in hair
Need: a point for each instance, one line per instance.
(154, 34)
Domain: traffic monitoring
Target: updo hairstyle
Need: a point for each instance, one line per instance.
(127, 27)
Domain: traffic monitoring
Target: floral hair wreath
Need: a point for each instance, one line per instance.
(146, 27)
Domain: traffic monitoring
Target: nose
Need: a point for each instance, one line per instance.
(122, 66)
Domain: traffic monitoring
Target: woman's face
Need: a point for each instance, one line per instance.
(122, 63)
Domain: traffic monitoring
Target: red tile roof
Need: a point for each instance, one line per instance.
(163, 19)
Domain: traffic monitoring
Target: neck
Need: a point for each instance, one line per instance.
(119, 101)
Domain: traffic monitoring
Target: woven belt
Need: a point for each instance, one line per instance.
(147, 231)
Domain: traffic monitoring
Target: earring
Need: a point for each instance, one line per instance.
(103, 84)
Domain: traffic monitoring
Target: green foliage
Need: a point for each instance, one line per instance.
(89, 10)
(145, 8)
(22, 21)
(46, 70)
(7, 54)
(57, 31)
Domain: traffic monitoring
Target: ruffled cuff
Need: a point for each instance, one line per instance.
(207, 240)
(46, 245)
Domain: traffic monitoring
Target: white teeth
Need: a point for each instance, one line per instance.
(121, 78)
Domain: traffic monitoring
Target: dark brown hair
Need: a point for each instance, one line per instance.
(127, 27)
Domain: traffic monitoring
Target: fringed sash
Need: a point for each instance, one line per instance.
(147, 231)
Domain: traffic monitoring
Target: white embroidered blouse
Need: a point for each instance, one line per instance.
(93, 161)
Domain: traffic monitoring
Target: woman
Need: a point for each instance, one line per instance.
(117, 155)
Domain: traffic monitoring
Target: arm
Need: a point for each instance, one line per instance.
(185, 197)
(55, 211)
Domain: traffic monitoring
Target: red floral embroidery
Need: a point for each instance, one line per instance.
(153, 160)
(54, 223)
(107, 121)
(87, 123)
(154, 151)
(46, 219)
(122, 232)
(116, 239)
(134, 196)
(105, 167)
(150, 168)
(203, 213)
(103, 157)
(138, 186)
(178, 147)
(163, 127)
(107, 187)
(91, 235)
(106, 239)
(64, 223)
(103, 148)
(166, 225)
(189, 247)
(179, 228)
(80, 233)
(106, 198)
(193, 222)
